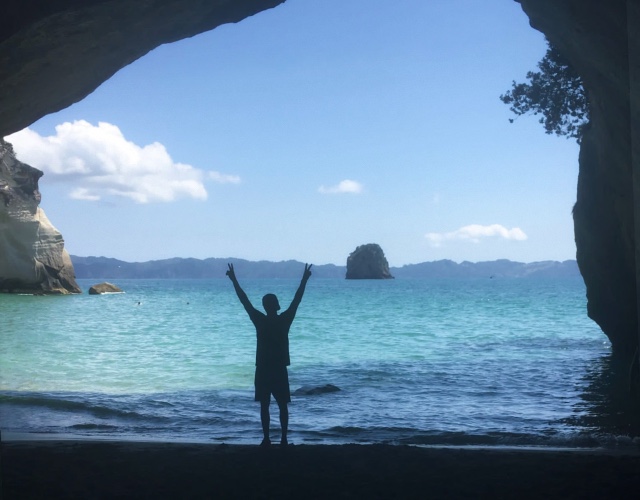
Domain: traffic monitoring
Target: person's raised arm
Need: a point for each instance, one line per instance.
(300, 292)
(239, 291)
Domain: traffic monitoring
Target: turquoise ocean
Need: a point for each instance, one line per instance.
(487, 362)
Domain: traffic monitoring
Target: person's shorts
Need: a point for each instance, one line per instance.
(272, 381)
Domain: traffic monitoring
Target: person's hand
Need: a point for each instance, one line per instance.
(231, 273)
(307, 272)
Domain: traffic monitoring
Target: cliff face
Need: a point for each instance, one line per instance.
(33, 256)
(600, 40)
(367, 262)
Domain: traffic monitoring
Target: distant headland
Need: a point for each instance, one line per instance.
(187, 268)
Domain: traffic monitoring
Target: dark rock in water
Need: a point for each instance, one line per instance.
(312, 390)
(101, 288)
(367, 262)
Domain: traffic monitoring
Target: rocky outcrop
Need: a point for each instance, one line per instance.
(102, 288)
(601, 40)
(313, 390)
(54, 53)
(367, 262)
(32, 254)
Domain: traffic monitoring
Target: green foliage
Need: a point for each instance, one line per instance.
(556, 93)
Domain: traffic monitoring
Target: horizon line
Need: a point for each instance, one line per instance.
(316, 265)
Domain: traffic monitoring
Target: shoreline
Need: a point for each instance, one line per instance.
(630, 447)
(41, 438)
(151, 469)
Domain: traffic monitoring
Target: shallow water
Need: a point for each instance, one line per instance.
(456, 361)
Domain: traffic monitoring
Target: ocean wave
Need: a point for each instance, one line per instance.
(93, 427)
(44, 401)
(408, 436)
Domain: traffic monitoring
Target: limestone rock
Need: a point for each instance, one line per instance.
(368, 262)
(312, 390)
(105, 287)
(32, 254)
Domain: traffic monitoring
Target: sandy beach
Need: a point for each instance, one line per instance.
(116, 469)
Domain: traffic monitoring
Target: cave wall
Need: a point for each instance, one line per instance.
(594, 36)
(54, 53)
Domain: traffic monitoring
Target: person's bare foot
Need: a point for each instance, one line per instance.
(266, 442)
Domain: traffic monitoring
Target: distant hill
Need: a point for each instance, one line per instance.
(502, 268)
(106, 268)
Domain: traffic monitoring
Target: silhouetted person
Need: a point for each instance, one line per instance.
(272, 351)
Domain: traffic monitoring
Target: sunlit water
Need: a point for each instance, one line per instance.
(458, 361)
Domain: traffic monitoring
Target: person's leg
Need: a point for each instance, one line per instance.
(265, 419)
(284, 421)
(282, 396)
(263, 395)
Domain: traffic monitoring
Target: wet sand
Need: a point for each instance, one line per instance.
(115, 469)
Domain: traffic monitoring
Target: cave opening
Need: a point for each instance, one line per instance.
(249, 131)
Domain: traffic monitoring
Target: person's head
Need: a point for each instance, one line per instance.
(270, 303)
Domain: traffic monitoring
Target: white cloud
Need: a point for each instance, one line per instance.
(475, 232)
(83, 194)
(99, 162)
(224, 178)
(345, 186)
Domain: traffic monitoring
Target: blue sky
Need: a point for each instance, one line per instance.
(312, 128)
